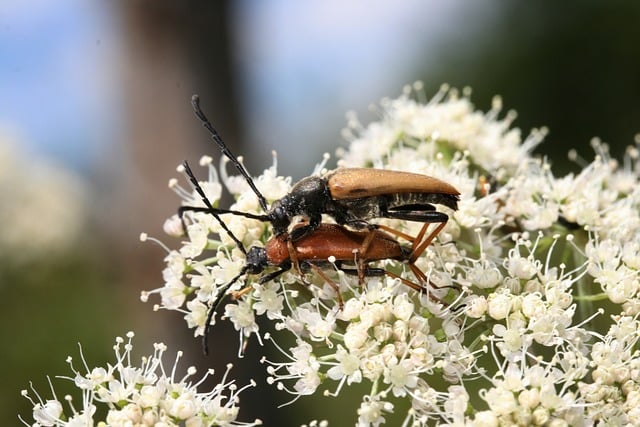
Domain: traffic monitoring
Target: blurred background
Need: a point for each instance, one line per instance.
(95, 115)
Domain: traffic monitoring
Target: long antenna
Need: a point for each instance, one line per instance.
(214, 306)
(195, 102)
(223, 290)
(211, 210)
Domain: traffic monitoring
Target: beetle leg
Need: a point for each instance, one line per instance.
(424, 279)
(417, 287)
(417, 215)
(419, 248)
(238, 294)
(307, 227)
(293, 255)
(406, 282)
(361, 256)
(395, 232)
(368, 271)
(300, 232)
(331, 283)
(268, 277)
(360, 264)
(364, 249)
(418, 238)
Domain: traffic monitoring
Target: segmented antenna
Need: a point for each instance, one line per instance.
(214, 307)
(223, 290)
(195, 102)
(211, 209)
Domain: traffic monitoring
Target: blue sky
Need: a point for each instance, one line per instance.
(303, 65)
(54, 77)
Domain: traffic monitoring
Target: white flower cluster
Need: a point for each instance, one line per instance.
(538, 277)
(136, 396)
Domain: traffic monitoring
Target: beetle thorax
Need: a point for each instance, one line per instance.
(276, 251)
(309, 198)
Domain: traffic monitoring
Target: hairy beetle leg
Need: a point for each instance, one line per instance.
(331, 283)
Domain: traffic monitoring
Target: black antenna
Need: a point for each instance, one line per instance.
(223, 290)
(195, 102)
(211, 209)
(214, 307)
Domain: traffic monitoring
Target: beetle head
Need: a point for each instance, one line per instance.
(308, 197)
(279, 216)
(256, 260)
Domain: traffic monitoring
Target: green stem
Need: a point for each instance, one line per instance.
(596, 297)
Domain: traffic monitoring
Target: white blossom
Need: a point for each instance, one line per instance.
(144, 395)
(531, 289)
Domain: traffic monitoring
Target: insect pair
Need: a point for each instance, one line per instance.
(352, 196)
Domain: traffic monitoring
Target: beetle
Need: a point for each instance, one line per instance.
(350, 195)
(313, 249)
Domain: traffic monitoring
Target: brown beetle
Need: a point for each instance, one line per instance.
(351, 196)
(312, 251)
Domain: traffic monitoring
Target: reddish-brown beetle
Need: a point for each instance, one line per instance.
(350, 195)
(312, 251)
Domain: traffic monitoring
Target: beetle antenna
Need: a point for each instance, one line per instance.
(214, 308)
(212, 210)
(195, 102)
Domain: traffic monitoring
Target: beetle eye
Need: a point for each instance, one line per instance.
(279, 218)
(277, 213)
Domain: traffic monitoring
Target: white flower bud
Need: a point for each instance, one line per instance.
(499, 306)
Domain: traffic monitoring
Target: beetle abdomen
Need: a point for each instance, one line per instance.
(353, 210)
(332, 240)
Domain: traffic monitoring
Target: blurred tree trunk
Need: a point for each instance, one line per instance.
(172, 50)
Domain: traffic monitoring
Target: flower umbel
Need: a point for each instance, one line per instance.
(530, 310)
(144, 395)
